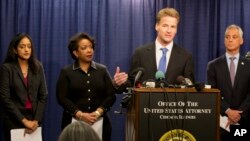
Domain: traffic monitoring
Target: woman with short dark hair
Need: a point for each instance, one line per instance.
(84, 88)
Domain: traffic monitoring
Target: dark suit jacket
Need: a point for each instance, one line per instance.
(180, 64)
(235, 97)
(13, 93)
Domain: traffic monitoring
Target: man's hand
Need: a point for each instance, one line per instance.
(234, 115)
(120, 77)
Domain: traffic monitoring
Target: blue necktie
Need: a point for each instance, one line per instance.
(163, 60)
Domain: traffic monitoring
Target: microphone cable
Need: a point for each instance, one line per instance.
(188, 83)
(186, 94)
(130, 124)
(166, 99)
(177, 113)
(128, 104)
(178, 122)
(149, 117)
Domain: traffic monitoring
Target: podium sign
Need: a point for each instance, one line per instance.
(169, 114)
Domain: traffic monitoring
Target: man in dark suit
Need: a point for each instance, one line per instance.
(179, 62)
(232, 79)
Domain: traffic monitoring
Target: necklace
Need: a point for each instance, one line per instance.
(26, 71)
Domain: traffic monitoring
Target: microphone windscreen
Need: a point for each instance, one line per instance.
(135, 71)
(138, 75)
(248, 55)
(150, 84)
(188, 81)
(159, 75)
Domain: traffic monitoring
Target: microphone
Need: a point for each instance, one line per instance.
(126, 100)
(138, 74)
(247, 55)
(160, 77)
(188, 83)
(149, 83)
(124, 104)
(185, 81)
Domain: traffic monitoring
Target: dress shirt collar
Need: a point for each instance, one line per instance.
(236, 56)
(158, 46)
(77, 66)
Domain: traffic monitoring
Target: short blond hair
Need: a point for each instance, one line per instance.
(167, 12)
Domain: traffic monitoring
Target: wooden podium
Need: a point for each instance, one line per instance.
(181, 114)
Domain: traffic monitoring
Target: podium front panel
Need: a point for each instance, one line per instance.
(163, 116)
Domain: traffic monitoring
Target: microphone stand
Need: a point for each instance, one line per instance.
(126, 99)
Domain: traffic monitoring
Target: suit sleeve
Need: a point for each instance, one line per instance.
(109, 93)
(189, 68)
(5, 90)
(245, 106)
(62, 94)
(211, 80)
(42, 96)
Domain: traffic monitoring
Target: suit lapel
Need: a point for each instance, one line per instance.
(239, 71)
(152, 62)
(172, 57)
(225, 70)
(18, 70)
(172, 61)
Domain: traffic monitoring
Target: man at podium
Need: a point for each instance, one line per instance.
(162, 55)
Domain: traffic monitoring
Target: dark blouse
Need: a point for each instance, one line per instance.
(77, 90)
(28, 103)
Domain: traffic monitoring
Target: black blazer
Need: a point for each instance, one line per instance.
(235, 97)
(13, 92)
(180, 63)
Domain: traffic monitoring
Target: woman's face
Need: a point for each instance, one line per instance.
(85, 51)
(24, 49)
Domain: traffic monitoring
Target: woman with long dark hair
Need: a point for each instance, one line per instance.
(23, 90)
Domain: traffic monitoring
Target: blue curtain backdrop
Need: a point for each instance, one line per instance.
(119, 26)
